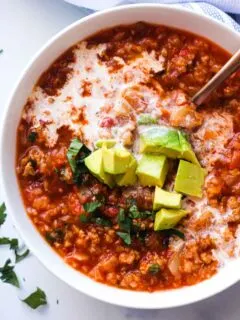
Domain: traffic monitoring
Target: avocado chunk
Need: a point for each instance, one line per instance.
(160, 140)
(108, 143)
(168, 141)
(94, 162)
(152, 170)
(146, 119)
(168, 218)
(186, 149)
(189, 179)
(166, 199)
(129, 178)
(116, 160)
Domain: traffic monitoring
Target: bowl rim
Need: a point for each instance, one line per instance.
(133, 299)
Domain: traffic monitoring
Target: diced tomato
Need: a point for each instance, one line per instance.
(107, 122)
(110, 212)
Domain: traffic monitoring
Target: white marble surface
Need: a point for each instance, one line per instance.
(24, 26)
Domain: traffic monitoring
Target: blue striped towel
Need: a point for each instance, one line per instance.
(213, 8)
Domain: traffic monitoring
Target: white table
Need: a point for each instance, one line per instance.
(24, 26)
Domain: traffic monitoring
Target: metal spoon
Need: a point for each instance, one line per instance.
(231, 66)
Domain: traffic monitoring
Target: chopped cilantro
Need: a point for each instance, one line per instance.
(8, 275)
(56, 235)
(3, 214)
(124, 222)
(103, 222)
(175, 232)
(74, 148)
(36, 299)
(32, 136)
(1, 51)
(154, 268)
(76, 154)
(146, 119)
(19, 257)
(92, 206)
(133, 212)
(12, 242)
(125, 236)
(84, 218)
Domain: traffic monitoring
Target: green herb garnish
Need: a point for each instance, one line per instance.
(19, 257)
(8, 275)
(146, 119)
(92, 206)
(36, 299)
(154, 268)
(84, 218)
(125, 236)
(74, 148)
(56, 235)
(134, 213)
(76, 154)
(1, 51)
(3, 214)
(12, 242)
(103, 222)
(32, 136)
(175, 232)
(125, 224)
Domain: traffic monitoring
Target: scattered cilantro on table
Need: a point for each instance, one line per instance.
(36, 299)
(3, 214)
(8, 274)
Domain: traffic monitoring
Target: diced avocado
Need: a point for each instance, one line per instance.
(152, 170)
(189, 179)
(116, 160)
(186, 149)
(108, 143)
(94, 162)
(160, 140)
(129, 177)
(146, 119)
(168, 218)
(168, 141)
(166, 199)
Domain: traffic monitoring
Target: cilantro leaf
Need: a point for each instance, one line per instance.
(36, 299)
(74, 148)
(84, 218)
(12, 242)
(154, 268)
(175, 232)
(20, 257)
(125, 236)
(92, 206)
(133, 212)
(124, 222)
(103, 222)
(3, 214)
(32, 136)
(56, 235)
(8, 275)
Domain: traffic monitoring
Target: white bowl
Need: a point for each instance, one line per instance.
(153, 13)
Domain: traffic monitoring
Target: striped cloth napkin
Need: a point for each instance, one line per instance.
(213, 8)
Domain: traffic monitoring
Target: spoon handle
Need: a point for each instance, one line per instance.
(231, 66)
